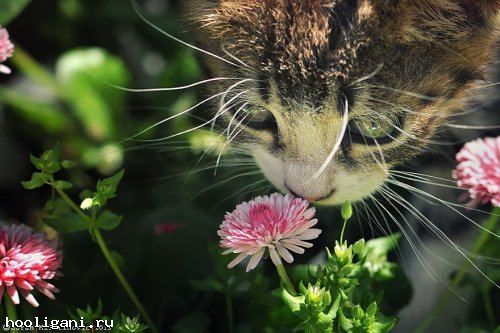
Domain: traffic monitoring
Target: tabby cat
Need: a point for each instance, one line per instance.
(330, 95)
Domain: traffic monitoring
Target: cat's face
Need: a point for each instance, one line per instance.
(333, 94)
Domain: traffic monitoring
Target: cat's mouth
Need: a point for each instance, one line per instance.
(313, 199)
(333, 187)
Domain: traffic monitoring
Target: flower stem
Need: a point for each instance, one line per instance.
(230, 313)
(445, 297)
(116, 269)
(342, 232)
(10, 309)
(107, 254)
(286, 280)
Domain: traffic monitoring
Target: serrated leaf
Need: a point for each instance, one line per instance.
(37, 180)
(10, 9)
(108, 220)
(67, 223)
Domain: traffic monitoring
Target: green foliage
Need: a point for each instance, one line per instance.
(9, 9)
(342, 294)
(131, 325)
(86, 75)
(62, 219)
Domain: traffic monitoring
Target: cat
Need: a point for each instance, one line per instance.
(331, 95)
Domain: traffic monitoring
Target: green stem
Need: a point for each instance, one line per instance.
(286, 280)
(36, 72)
(72, 205)
(230, 313)
(116, 269)
(10, 309)
(342, 232)
(107, 254)
(445, 297)
(488, 307)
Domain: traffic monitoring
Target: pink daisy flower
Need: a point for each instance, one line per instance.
(478, 170)
(28, 261)
(6, 50)
(278, 224)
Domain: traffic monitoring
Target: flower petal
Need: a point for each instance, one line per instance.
(255, 259)
(237, 260)
(274, 256)
(309, 234)
(284, 253)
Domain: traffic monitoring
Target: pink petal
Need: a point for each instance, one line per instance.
(255, 259)
(284, 253)
(237, 260)
(274, 256)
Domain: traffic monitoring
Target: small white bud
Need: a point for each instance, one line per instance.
(87, 204)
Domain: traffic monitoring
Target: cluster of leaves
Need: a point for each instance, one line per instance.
(342, 295)
(60, 212)
(121, 322)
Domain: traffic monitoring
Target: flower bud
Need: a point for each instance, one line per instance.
(87, 203)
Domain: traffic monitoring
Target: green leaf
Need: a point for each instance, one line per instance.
(63, 185)
(67, 223)
(383, 245)
(108, 220)
(68, 164)
(9, 9)
(384, 325)
(88, 75)
(106, 188)
(293, 302)
(45, 115)
(37, 180)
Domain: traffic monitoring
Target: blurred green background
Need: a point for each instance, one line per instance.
(69, 54)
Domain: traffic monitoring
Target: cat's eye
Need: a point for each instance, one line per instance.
(257, 118)
(371, 130)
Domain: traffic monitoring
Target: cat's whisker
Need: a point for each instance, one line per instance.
(429, 182)
(473, 127)
(183, 132)
(338, 142)
(154, 26)
(169, 118)
(423, 262)
(409, 93)
(224, 181)
(391, 194)
(235, 58)
(235, 115)
(191, 85)
(369, 76)
(446, 203)
(224, 104)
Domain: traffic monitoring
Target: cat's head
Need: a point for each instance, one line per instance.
(334, 93)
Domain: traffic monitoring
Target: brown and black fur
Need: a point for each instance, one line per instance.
(306, 55)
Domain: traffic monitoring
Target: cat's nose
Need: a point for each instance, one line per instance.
(309, 197)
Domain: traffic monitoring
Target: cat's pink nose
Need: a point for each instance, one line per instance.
(309, 197)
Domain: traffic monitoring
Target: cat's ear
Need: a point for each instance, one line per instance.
(480, 11)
